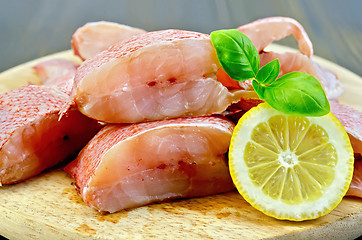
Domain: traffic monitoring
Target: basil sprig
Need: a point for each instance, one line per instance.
(294, 93)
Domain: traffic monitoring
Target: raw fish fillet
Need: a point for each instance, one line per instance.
(291, 62)
(264, 31)
(152, 76)
(351, 120)
(31, 137)
(57, 73)
(297, 62)
(94, 37)
(126, 166)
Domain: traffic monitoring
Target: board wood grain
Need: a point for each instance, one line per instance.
(48, 207)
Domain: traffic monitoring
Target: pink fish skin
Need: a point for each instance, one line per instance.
(58, 73)
(175, 69)
(264, 31)
(355, 188)
(31, 137)
(351, 120)
(94, 37)
(126, 166)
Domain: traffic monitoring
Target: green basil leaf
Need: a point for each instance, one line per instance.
(268, 73)
(236, 54)
(297, 93)
(258, 89)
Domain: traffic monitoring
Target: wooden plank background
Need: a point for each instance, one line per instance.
(31, 29)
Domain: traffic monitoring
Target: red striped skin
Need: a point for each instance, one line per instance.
(31, 137)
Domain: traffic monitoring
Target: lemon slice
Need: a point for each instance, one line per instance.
(290, 167)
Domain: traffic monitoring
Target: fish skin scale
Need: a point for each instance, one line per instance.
(24, 105)
(91, 155)
(350, 118)
(28, 115)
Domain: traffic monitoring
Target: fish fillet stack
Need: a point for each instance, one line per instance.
(161, 96)
(158, 93)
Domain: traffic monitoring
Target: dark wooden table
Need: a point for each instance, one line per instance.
(30, 29)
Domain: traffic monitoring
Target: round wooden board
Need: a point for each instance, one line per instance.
(48, 207)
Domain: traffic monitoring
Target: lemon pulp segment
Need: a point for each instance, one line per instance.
(305, 164)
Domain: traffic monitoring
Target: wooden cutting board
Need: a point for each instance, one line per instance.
(48, 207)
